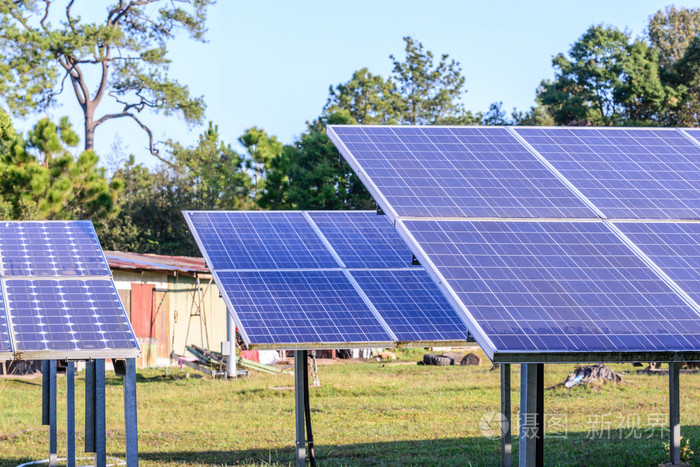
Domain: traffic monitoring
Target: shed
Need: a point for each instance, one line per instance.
(172, 301)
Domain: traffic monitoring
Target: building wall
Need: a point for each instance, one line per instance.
(163, 309)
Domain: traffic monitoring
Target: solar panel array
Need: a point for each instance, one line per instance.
(59, 299)
(297, 280)
(583, 270)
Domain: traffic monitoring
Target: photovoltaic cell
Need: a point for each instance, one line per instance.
(259, 240)
(693, 132)
(556, 287)
(296, 307)
(455, 172)
(5, 345)
(362, 239)
(626, 173)
(674, 247)
(412, 305)
(56, 248)
(67, 315)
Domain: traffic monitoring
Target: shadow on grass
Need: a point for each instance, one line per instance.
(604, 447)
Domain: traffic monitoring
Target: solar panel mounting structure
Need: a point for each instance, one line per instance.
(531, 277)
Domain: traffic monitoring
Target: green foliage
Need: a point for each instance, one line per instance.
(428, 92)
(607, 79)
(208, 175)
(369, 99)
(262, 152)
(41, 179)
(671, 31)
(127, 53)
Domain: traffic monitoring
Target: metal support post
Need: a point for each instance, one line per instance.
(45, 392)
(675, 412)
(506, 446)
(70, 414)
(90, 406)
(531, 415)
(130, 420)
(100, 415)
(299, 399)
(231, 337)
(53, 448)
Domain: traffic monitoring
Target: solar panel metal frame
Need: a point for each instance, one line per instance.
(475, 329)
(341, 268)
(83, 354)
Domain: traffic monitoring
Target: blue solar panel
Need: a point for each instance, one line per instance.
(5, 344)
(674, 247)
(626, 173)
(51, 249)
(412, 305)
(454, 172)
(259, 240)
(67, 315)
(299, 307)
(556, 287)
(362, 239)
(694, 133)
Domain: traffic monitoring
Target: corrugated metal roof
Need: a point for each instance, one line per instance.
(124, 260)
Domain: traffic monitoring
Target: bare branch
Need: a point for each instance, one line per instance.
(71, 21)
(103, 80)
(46, 15)
(151, 144)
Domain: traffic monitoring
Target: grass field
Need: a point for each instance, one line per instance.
(364, 414)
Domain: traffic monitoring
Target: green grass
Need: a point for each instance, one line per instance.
(364, 414)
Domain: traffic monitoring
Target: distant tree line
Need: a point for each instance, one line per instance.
(607, 77)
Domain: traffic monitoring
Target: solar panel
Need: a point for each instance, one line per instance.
(694, 133)
(626, 172)
(5, 344)
(300, 307)
(532, 287)
(412, 305)
(454, 172)
(80, 315)
(674, 247)
(362, 239)
(259, 240)
(57, 248)
(324, 304)
(59, 296)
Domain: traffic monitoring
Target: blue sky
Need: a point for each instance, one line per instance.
(270, 63)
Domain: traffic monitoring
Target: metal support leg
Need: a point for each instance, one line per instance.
(231, 337)
(100, 415)
(531, 415)
(53, 448)
(675, 412)
(90, 406)
(45, 392)
(506, 446)
(70, 414)
(299, 397)
(130, 420)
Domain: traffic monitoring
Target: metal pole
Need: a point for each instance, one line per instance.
(299, 397)
(130, 419)
(53, 450)
(231, 338)
(90, 406)
(100, 415)
(531, 414)
(70, 414)
(45, 389)
(675, 412)
(506, 446)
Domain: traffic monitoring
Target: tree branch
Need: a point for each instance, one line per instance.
(46, 15)
(71, 21)
(151, 144)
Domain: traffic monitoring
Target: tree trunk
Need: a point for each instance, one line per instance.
(89, 131)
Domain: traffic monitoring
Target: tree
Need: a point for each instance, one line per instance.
(671, 31)
(261, 150)
(41, 179)
(429, 92)
(127, 53)
(607, 79)
(369, 99)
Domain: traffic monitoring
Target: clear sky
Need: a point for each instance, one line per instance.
(270, 63)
